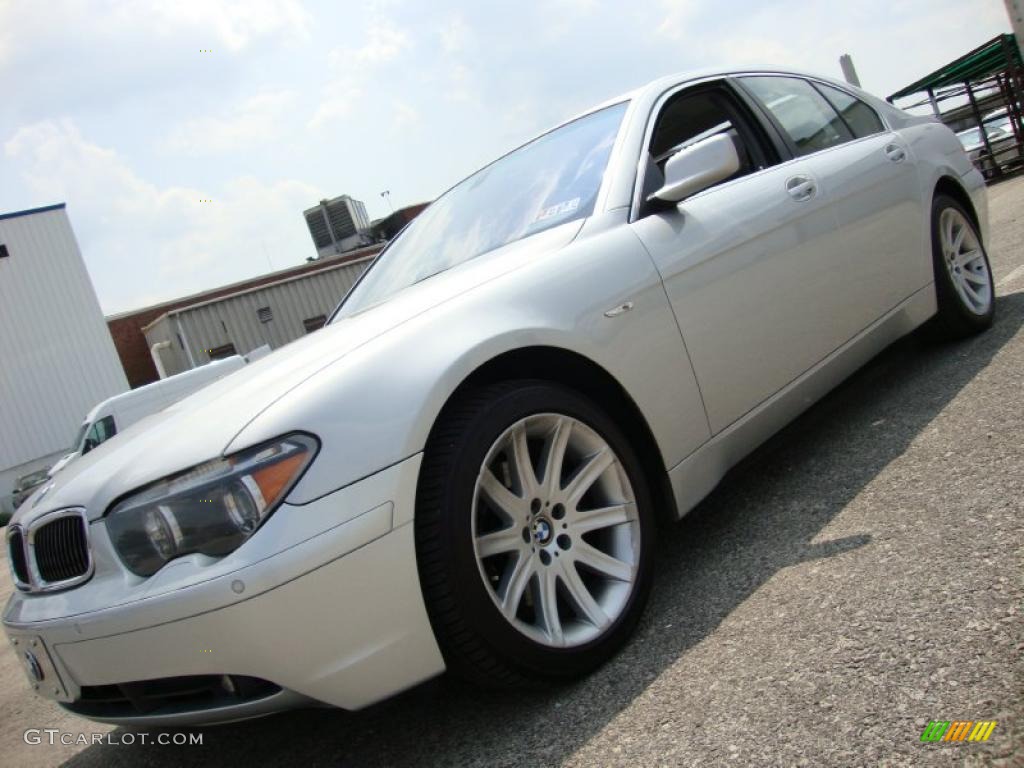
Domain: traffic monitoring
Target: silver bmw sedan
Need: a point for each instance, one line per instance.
(464, 468)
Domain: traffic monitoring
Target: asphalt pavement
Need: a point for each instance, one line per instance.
(857, 577)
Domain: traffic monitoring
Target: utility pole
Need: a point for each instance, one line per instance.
(849, 73)
(386, 194)
(1015, 10)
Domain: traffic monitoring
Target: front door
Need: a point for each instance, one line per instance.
(750, 265)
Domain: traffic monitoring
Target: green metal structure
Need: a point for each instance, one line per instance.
(996, 56)
(987, 84)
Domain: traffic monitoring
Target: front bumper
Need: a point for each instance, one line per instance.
(336, 616)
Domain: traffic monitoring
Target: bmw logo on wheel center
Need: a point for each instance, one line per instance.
(542, 530)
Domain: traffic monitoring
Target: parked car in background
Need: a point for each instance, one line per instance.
(120, 411)
(999, 118)
(24, 486)
(1001, 140)
(463, 470)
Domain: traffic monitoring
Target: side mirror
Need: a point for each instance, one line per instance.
(89, 445)
(698, 167)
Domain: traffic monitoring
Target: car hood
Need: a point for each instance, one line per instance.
(62, 462)
(201, 426)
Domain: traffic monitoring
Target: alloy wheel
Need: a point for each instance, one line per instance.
(965, 261)
(556, 533)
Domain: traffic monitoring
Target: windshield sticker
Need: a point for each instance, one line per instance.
(559, 209)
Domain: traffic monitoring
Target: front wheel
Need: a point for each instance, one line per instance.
(533, 534)
(963, 277)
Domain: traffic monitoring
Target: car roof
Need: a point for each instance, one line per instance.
(656, 87)
(650, 91)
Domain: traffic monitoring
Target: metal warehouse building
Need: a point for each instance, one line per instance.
(126, 328)
(273, 314)
(56, 356)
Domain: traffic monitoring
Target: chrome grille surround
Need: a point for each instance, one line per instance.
(57, 545)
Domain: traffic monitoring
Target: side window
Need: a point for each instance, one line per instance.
(804, 115)
(699, 114)
(101, 431)
(108, 426)
(861, 118)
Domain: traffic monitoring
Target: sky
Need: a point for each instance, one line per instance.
(187, 137)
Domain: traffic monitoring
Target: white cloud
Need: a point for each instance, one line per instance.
(339, 101)
(225, 24)
(461, 84)
(574, 7)
(752, 49)
(254, 121)
(918, 37)
(234, 24)
(563, 18)
(456, 35)
(403, 116)
(384, 42)
(353, 67)
(675, 24)
(458, 44)
(143, 241)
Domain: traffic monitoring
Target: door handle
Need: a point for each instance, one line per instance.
(895, 152)
(801, 188)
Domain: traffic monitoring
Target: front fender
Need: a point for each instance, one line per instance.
(377, 405)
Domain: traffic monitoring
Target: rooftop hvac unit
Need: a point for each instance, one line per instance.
(338, 225)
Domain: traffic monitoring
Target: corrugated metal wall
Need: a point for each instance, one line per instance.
(237, 319)
(173, 356)
(57, 359)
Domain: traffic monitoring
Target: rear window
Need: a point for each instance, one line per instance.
(804, 115)
(861, 118)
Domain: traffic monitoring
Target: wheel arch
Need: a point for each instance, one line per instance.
(581, 374)
(947, 185)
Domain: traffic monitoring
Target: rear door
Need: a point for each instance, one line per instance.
(751, 266)
(871, 183)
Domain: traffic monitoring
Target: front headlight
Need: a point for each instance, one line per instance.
(210, 509)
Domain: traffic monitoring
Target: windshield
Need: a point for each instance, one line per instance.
(552, 180)
(78, 438)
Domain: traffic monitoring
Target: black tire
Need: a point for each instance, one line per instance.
(477, 642)
(954, 319)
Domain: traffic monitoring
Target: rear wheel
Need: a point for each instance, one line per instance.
(533, 528)
(963, 277)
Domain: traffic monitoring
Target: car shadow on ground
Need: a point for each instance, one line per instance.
(765, 516)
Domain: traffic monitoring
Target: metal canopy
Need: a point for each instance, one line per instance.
(998, 54)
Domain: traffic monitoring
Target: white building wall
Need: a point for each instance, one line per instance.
(57, 359)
